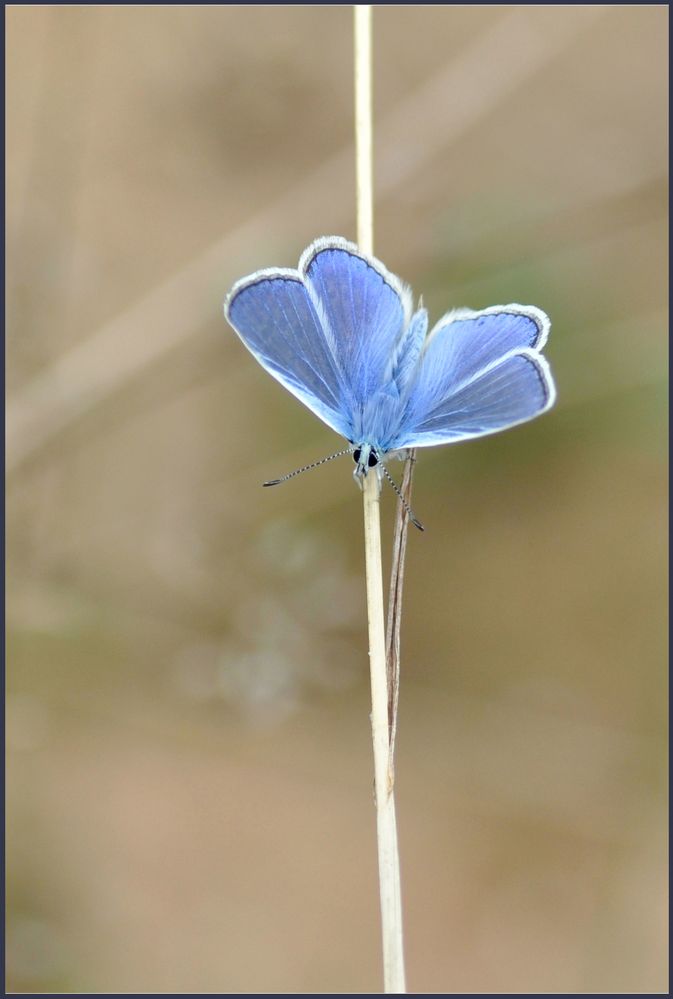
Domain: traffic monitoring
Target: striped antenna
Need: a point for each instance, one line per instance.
(404, 503)
(314, 464)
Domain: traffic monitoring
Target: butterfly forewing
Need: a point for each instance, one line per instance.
(277, 320)
(512, 390)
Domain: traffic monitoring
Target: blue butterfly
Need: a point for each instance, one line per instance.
(341, 335)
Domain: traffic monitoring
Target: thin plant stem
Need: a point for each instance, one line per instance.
(395, 601)
(386, 827)
(364, 160)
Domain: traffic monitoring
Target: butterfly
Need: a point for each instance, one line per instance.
(341, 335)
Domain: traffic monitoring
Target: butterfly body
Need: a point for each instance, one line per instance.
(365, 457)
(340, 333)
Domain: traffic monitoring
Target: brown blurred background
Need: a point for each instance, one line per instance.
(189, 761)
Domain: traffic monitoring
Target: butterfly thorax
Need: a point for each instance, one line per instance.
(376, 420)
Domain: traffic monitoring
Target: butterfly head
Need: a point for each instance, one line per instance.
(365, 457)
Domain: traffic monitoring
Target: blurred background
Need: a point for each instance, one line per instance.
(189, 760)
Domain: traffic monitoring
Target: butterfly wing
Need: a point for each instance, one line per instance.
(480, 372)
(365, 307)
(326, 331)
(277, 320)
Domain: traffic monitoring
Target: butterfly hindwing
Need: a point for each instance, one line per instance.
(365, 308)
(464, 342)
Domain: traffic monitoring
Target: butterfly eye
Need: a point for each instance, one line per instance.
(356, 455)
(372, 459)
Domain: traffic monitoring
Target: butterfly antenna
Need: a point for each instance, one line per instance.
(314, 464)
(404, 503)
